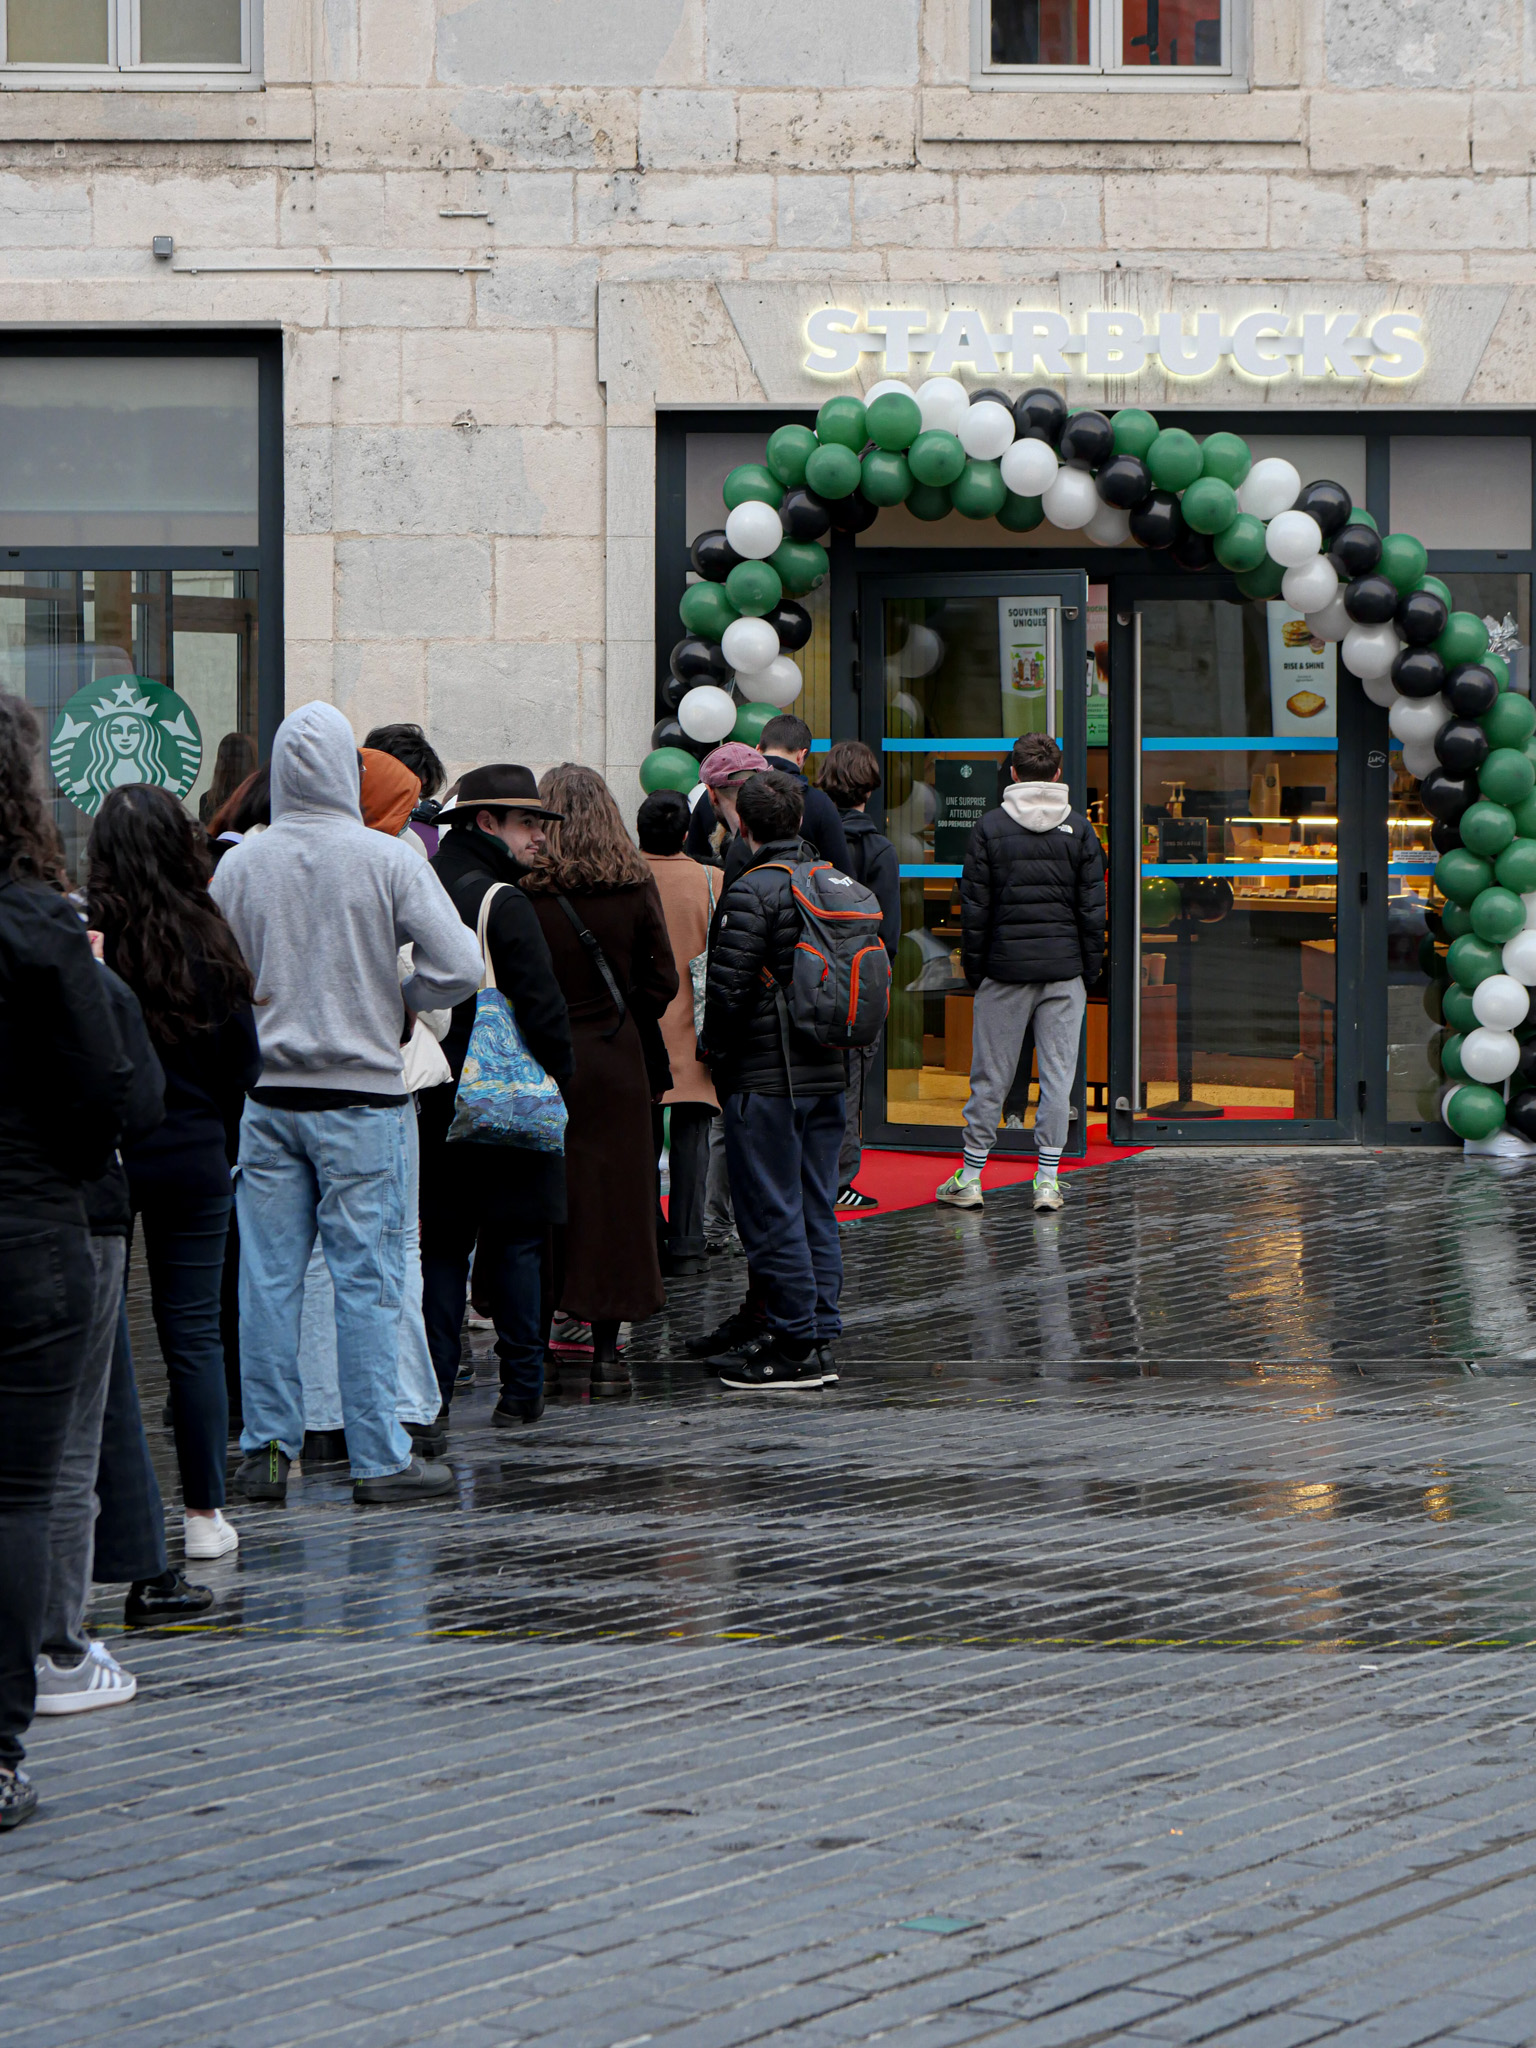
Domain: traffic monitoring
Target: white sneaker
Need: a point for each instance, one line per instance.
(1047, 1193)
(960, 1194)
(98, 1680)
(208, 1536)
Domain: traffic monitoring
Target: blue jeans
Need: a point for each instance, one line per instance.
(341, 1172)
(782, 1157)
(184, 1251)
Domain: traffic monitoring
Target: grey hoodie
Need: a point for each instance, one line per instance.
(321, 907)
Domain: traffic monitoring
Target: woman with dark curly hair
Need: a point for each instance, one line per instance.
(148, 890)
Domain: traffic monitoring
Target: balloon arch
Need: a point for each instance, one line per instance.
(1117, 478)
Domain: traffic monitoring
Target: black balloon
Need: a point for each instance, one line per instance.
(1434, 924)
(674, 690)
(1447, 796)
(1157, 521)
(997, 397)
(1520, 1113)
(1088, 439)
(668, 733)
(1421, 617)
(1524, 1075)
(1207, 900)
(1124, 481)
(1329, 504)
(713, 556)
(1418, 672)
(700, 661)
(1443, 835)
(1371, 600)
(1472, 690)
(1462, 746)
(1193, 550)
(1355, 551)
(853, 513)
(803, 515)
(792, 623)
(1040, 415)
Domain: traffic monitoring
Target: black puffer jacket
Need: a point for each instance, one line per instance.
(872, 861)
(752, 947)
(1032, 903)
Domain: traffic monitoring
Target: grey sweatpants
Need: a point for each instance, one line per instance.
(1002, 1013)
(72, 1517)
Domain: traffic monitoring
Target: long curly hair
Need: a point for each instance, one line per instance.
(588, 850)
(29, 842)
(147, 889)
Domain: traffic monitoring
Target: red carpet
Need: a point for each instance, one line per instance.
(906, 1180)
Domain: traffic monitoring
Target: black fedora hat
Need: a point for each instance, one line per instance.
(503, 786)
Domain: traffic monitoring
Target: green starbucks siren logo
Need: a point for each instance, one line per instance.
(123, 729)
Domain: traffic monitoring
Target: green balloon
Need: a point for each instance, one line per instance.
(1135, 431)
(886, 478)
(788, 450)
(1429, 959)
(841, 424)
(1497, 915)
(936, 457)
(800, 565)
(1240, 546)
(1509, 721)
(1450, 1058)
(1506, 777)
(893, 421)
(1160, 901)
(1465, 639)
(1515, 867)
(1472, 960)
(1462, 877)
(1492, 828)
(1225, 456)
(668, 768)
(1525, 818)
(833, 471)
(707, 610)
(1174, 459)
(1456, 1008)
(748, 481)
(1455, 920)
(1264, 581)
(1440, 590)
(1360, 517)
(1210, 505)
(1498, 668)
(1434, 992)
(1474, 1111)
(750, 720)
(754, 588)
(1403, 561)
(1021, 515)
(979, 491)
(930, 502)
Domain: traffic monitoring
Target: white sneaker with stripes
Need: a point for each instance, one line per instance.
(98, 1680)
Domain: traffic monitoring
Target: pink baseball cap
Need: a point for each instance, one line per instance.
(730, 763)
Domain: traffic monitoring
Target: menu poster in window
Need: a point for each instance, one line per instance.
(1027, 665)
(1098, 665)
(1303, 677)
(966, 791)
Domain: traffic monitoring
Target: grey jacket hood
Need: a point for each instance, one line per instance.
(1037, 806)
(314, 766)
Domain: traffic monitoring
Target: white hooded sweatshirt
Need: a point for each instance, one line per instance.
(1037, 806)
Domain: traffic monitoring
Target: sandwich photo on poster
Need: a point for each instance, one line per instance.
(1303, 677)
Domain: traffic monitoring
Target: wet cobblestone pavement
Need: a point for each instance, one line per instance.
(1136, 1647)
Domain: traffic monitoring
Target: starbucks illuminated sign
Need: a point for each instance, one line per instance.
(1117, 344)
(123, 729)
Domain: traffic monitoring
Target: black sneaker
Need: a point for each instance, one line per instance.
(416, 1482)
(740, 1327)
(169, 1598)
(516, 1414)
(428, 1439)
(465, 1376)
(763, 1367)
(851, 1202)
(829, 1372)
(263, 1475)
(18, 1799)
(324, 1447)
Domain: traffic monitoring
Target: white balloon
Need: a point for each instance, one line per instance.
(885, 385)
(1500, 1003)
(1029, 467)
(1312, 585)
(1519, 963)
(1270, 487)
(1490, 1055)
(748, 645)
(1109, 527)
(1381, 690)
(1417, 718)
(920, 653)
(1071, 501)
(1293, 538)
(1371, 650)
(754, 530)
(1420, 759)
(707, 712)
(779, 684)
(986, 430)
(944, 403)
(1332, 622)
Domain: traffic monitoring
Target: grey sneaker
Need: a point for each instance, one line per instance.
(18, 1799)
(98, 1680)
(1047, 1192)
(416, 1482)
(960, 1194)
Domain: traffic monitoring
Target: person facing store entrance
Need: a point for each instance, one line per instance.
(1032, 910)
(784, 744)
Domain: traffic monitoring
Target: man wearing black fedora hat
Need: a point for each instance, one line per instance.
(502, 1199)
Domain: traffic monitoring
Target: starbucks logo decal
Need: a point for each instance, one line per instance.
(123, 729)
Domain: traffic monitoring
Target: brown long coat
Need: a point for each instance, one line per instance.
(687, 905)
(611, 1268)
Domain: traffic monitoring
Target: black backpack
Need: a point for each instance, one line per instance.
(840, 990)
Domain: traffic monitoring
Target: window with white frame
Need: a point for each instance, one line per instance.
(1141, 42)
(102, 40)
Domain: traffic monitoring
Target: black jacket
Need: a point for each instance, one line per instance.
(1032, 904)
(207, 1076)
(752, 947)
(64, 1077)
(822, 825)
(108, 1207)
(872, 861)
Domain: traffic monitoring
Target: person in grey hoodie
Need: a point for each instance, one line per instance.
(1032, 911)
(321, 907)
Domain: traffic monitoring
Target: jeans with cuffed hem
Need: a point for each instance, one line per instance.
(341, 1173)
(72, 1515)
(184, 1252)
(783, 1163)
(130, 1529)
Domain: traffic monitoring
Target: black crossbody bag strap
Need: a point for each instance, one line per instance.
(599, 960)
